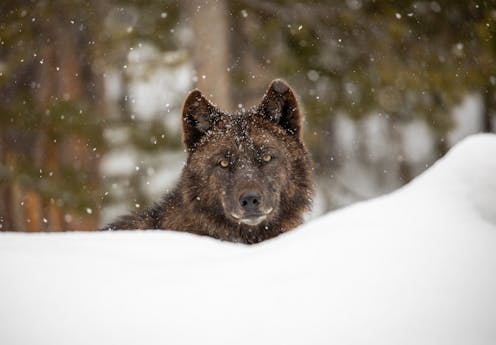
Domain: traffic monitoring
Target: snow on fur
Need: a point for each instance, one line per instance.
(417, 266)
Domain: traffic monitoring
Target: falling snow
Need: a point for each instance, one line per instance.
(371, 267)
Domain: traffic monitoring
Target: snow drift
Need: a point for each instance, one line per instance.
(417, 266)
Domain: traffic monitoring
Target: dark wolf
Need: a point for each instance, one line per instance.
(247, 176)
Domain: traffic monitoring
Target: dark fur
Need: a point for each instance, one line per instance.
(207, 200)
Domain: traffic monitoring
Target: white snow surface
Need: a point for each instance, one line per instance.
(417, 266)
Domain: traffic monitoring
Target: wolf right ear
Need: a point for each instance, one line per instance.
(280, 106)
(199, 115)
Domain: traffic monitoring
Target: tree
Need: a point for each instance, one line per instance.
(52, 64)
(51, 127)
(210, 49)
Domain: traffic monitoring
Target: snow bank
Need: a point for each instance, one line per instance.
(417, 266)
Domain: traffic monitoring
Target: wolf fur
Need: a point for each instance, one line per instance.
(247, 177)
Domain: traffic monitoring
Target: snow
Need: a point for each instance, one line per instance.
(417, 266)
(467, 117)
(368, 151)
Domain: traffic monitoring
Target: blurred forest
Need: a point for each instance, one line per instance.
(91, 93)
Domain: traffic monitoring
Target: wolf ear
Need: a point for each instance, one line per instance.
(199, 115)
(280, 106)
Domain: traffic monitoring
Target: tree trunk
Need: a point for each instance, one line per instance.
(33, 207)
(404, 167)
(489, 99)
(5, 188)
(60, 78)
(210, 51)
(250, 77)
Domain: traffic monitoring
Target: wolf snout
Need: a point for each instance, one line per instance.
(250, 201)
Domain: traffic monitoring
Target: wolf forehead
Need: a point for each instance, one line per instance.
(243, 129)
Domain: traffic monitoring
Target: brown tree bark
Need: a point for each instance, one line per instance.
(60, 78)
(77, 81)
(210, 51)
(250, 73)
(489, 111)
(33, 209)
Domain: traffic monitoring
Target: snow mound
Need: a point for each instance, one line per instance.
(473, 164)
(417, 266)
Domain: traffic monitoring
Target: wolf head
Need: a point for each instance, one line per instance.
(248, 169)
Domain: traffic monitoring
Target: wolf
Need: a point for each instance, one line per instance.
(247, 177)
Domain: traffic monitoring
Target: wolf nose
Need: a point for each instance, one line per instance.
(250, 201)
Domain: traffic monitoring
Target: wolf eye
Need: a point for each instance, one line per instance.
(266, 158)
(224, 163)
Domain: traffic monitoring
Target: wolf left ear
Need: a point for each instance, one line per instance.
(199, 115)
(280, 106)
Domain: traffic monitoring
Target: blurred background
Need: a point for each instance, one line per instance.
(91, 93)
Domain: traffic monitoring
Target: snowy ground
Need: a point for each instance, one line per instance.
(417, 266)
